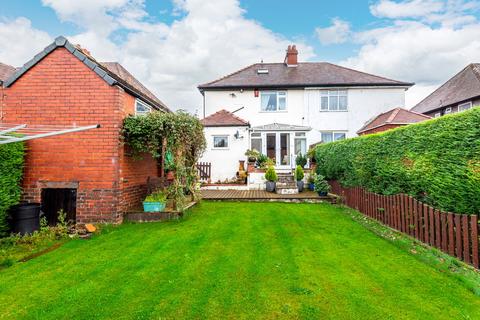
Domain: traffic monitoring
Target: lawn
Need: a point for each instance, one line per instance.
(235, 260)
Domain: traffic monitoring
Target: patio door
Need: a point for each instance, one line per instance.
(284, 150)
(277, 148)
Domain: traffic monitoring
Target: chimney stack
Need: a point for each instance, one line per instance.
(291, 58)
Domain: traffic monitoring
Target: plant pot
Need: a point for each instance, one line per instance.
(270, 186)
(322, 193)
(170, 176)
(311, 186)
(300, 186)
(153, 206)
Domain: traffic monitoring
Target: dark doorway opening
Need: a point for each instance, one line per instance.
(56, 199)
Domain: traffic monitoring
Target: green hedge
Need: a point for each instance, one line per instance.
(11, 170)
(437, 161)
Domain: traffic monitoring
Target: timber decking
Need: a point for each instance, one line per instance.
(260, 195)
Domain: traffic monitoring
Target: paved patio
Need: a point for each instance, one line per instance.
(257, 195)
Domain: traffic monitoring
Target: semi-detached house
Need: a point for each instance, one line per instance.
(280, 109)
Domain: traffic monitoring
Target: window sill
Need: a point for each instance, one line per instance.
(333, 111)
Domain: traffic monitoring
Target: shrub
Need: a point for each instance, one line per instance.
(301, 160)
(436, 161)
(299, 173)
(157, 196)
(261, 160)
(321, 185)
(11, 170)
(271, 175)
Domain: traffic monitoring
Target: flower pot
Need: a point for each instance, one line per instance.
(311, 186)
(322, 193)
(170, 176)
(300, 186)
(270, 186)
(153, 206)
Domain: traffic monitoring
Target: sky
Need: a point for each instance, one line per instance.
(172, 46)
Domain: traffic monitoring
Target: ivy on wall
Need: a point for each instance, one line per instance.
(11, 171)
(178, 137)
(437, 161)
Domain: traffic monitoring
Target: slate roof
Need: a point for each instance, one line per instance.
(6, 71)
(223, 118)
(306, 74)
(463, 86)
(280, 127)
(397, 116)
(112, 73)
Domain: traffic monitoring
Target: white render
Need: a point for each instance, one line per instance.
(303, 109)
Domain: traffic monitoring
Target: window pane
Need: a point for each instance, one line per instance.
(464, 106)
(220, 142)
(269, 101)
(282, 103)
(333, 103)
(342, 103)
(141, 108)
(333, 93)
(324, 92)
(324, 104)
(327, 137)
(300, 134)
(338, 136)
(256, 134)
(257, 144)
(300, 146)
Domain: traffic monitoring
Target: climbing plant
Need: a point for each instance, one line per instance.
(179, 135)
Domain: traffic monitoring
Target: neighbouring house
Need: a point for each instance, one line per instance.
(459, 93)
(289, 106)
(89, 174)
(392, 119)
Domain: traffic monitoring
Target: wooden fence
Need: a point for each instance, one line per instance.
(204, 170)
(454, 234)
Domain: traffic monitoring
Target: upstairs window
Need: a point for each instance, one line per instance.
(333, 100)
(142, 108)
(330, 136)
(272, 101)
(464, 106)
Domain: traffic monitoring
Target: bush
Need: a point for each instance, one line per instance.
(301, 160)
(11, 170)
(261, 160)
(436, 161)
(321, 185)
(271, 175)
(157, 196)
(299, 173)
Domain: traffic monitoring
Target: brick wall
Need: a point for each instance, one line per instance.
(61, 90)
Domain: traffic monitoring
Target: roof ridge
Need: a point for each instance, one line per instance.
(393, 115)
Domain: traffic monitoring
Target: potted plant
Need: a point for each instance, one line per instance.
(301, 160)
(252, 155)
(299, 177)
(271, 177)
(321, 185)
(261, 160)
(155, 202)
(311, 181)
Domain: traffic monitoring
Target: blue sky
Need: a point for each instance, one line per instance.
(172, 46)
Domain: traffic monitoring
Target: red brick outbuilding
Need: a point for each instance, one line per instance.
(90, 172)
(392, 119)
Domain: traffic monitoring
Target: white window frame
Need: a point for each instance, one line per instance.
(277, 92)
(448, 110)
(300, 136)
(256, 136)
(141, 113)
(333, 135)
(328, 93)
(437, 115)
(227, 138)
(461, 105)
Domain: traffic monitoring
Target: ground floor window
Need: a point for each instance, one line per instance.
(220, 142)
(300, 143)
(330, 136)
(256, 141)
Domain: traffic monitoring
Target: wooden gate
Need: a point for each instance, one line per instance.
(204, 170)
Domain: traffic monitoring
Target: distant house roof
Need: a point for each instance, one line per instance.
(396, 116)
(306, 74)
(281, 127)
(112, 73)
(463, 86)
(6, 71)
(223, 118)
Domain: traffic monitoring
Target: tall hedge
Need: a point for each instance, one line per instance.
(11, 170)
(436, 161)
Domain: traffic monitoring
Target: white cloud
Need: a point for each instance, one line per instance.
(19, 42)
(427, 51)
(414, 8)
(338, 32)
(210, 39)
